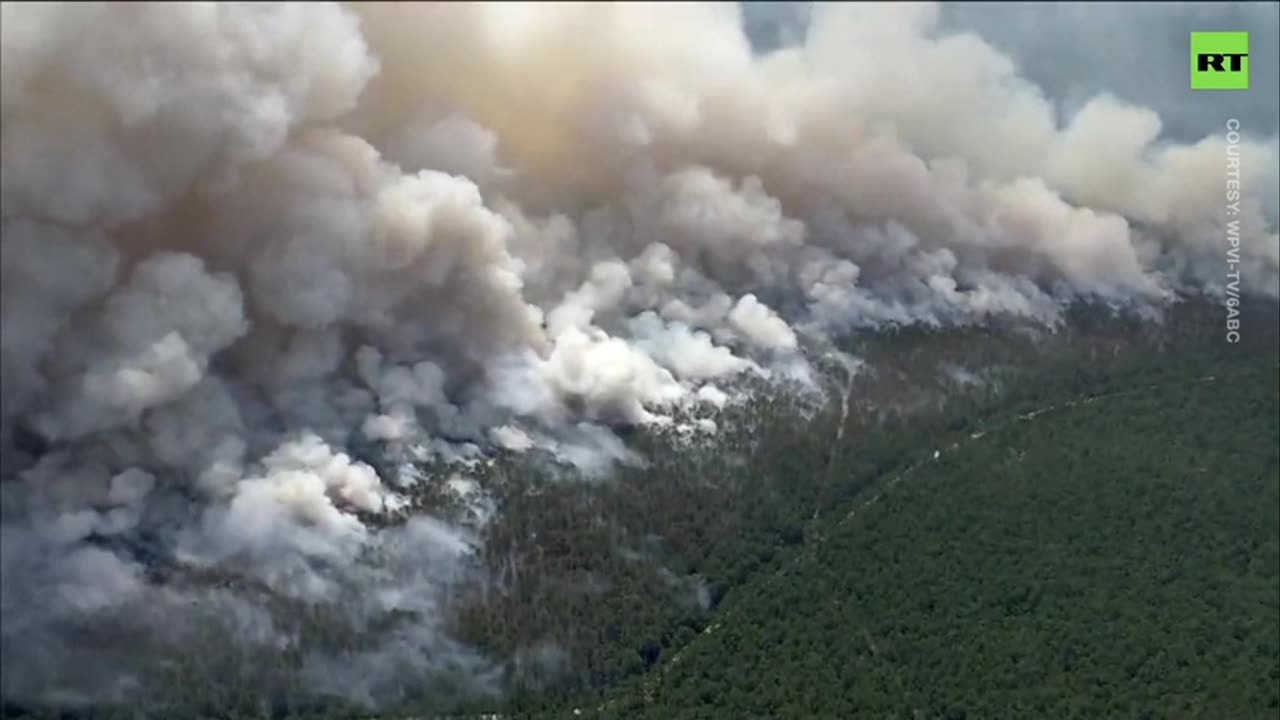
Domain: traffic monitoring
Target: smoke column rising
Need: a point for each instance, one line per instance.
(241, 241)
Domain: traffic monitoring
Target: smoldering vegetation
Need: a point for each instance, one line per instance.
(300, 299)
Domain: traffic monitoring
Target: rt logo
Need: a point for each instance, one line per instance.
(1219, 61)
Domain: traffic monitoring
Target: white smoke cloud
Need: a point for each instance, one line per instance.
(244, 245)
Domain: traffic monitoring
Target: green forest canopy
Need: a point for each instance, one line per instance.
(618, 596)
(1110, 558)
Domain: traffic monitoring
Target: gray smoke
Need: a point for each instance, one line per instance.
(1137, 51)
(1074, 51)
(245, 243)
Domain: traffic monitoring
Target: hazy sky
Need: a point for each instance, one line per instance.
(1137, 51)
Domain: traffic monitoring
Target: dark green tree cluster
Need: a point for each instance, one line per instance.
(592, 584)
(1111, 558)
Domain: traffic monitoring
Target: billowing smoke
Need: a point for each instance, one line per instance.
(246, 244)
(1073, 50)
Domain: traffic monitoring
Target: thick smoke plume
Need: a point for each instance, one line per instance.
(243, 244)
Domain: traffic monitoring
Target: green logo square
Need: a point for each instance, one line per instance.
(1219, 61)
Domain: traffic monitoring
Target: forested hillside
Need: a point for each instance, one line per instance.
(1109, 555)
(724, 577)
